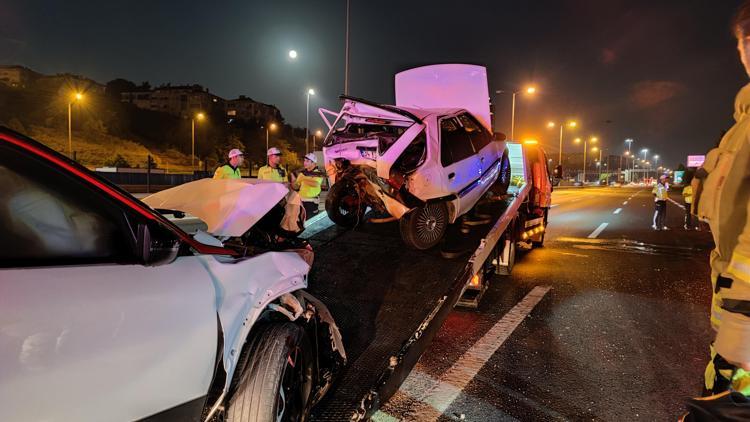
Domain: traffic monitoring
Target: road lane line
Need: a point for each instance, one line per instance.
(439, 396)
(617, 211)
(594, 234)
(625, 203)
(553, 205)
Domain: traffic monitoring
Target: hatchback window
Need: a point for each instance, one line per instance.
(480, 138)
(455, 144)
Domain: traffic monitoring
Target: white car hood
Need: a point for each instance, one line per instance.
(228, 207)
(446, 86)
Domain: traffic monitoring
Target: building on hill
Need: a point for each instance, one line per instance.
(17, 76)
(245, 108)
(183, 100)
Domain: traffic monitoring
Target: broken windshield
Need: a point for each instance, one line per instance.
(385, 133)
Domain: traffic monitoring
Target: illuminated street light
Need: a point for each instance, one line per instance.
(75, 97)
(293, 54)
(571, 124)
(272, 126)
(529, 90)
(310, 92)
(318, 134)
(198, 116)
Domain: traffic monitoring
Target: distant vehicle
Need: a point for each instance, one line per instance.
(425, 164)
(109, 311)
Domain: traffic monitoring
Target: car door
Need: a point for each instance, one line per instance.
(461, 167)
(86, 332)
(481, 139)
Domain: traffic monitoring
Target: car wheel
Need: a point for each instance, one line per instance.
(503, 179)
(343, 204)
(423, 227)
(277, 379)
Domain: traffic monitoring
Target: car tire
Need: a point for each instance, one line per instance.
(343, 205)
(503, 179)
(424, 227)
(277, 379)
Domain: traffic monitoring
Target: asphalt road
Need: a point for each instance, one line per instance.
(608, 321)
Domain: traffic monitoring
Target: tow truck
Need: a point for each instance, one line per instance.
(389, 301)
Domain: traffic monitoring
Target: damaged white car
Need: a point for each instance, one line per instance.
(110, 311)
(425, 161)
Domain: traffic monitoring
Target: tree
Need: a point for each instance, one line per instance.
(117, 86)
(117, 161)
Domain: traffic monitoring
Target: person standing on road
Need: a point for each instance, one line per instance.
(687, 197)
(231, 170)
(274, 171)
(660, 192)
(309, 181)
(722, 197)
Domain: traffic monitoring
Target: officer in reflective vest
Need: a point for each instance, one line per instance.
(231, 170)
(309, 181)
(274, 171)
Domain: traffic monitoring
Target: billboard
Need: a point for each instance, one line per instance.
(678, 176)
(695, 160)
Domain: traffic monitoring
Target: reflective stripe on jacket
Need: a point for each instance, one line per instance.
(227, 172)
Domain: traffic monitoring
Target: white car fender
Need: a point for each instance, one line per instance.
(244, 288)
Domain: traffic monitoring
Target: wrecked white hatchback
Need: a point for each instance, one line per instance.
(425, 161)
(103, 294)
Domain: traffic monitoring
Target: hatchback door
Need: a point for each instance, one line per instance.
(461, 166)
(86, 332)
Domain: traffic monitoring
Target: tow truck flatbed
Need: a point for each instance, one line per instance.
(389, 301)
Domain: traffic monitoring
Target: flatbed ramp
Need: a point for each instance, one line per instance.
(388, 300)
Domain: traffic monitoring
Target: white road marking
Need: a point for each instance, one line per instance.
(442, 392)
(594, 234)
(578, 255)
(553, 205)
(625, 203)
(617, 211)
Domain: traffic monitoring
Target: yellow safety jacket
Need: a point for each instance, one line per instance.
(661, 192)
(687, 194)
(309, 184)
(724, 201)
(227, 172)
(277, 174)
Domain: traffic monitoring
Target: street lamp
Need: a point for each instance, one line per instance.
(199, 117)
(272, 126)
(571, 124)
(307, 119)
(529, 90)
(76, 97)
(318, 134)
(293, 54)
(593, 140)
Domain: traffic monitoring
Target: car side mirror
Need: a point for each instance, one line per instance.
(156, 248)
(499, 136)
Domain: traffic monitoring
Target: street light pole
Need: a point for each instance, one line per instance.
(513, 117)
(75, 97)
(307, 120)
(199, 116)
(585, 147)
(346, 60)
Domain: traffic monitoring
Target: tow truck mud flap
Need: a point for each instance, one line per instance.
(388, 302)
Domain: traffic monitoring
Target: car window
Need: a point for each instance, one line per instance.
(480, 138)
(50, 218)
(455, 144)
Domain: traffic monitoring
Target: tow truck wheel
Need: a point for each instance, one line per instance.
(423, 227)
(343, 205)
(277, 379)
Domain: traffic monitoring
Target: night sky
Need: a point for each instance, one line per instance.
(663, 73)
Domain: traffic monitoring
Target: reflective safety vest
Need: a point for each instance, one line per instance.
(660, 191)
(277, 174)
(227, 172)
(687, 194)
(309, 184)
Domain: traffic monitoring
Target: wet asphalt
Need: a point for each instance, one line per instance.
(622, 335)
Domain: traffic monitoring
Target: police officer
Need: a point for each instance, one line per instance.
(309, 181)
(660, 193)
(274, 171)
(231, 170)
